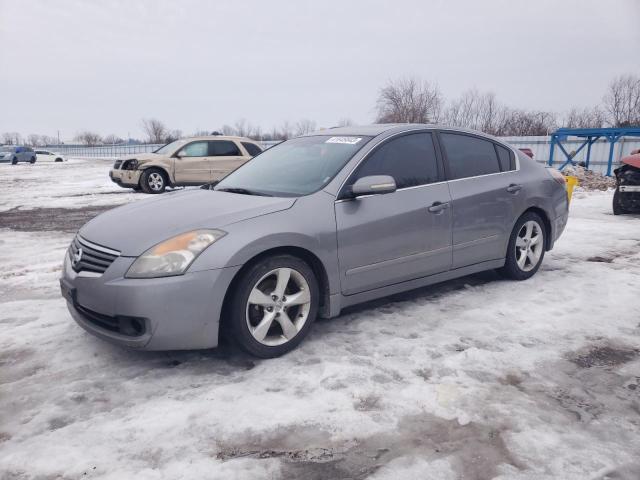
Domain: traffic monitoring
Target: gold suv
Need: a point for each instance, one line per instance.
(189, 161)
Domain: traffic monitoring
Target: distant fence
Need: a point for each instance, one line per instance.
(599, 151)
(115, 151)
(538, 145)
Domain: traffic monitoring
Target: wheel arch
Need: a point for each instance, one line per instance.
(163, 168)
(303, 254)
(548, 241)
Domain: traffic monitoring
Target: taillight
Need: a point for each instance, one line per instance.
(557, 176)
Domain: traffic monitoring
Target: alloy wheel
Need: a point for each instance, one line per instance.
(155, 181)
(529, 246)
(278, 306)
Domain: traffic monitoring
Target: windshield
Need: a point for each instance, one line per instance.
(294, 168)
(7, 149)
(169, 148)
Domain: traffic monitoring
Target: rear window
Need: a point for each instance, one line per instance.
(506, 158)
(223, 148)
(252, 148)
(469, 156)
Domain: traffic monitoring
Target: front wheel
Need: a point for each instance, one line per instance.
(526, 248)
(618, 209)
(14, 161)
(273, 306)
(153, 180)
(32, 160)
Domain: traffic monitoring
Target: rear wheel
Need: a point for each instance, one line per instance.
(58, 159)
(526, 248)
(618, 209)
(273, 306)
(14, 161)
(32, 160)
(153, 180)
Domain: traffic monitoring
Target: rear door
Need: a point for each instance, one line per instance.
(191, 164)
(224, 157)
(486, 196)
(391, 238)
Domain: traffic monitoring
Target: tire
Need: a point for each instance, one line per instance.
(58, 159)
(137, 188)
(14, 161)
(528, 226)
(153, 180)
(618, 209)
(33, 160)
(260, 298)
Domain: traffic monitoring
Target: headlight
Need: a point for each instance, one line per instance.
(173, 256)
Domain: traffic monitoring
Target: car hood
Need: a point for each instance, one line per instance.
(134, 228)
(147, 157)
(633, 160)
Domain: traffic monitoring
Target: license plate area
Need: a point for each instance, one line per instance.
(629, 188)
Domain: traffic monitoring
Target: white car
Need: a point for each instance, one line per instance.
(47, 156)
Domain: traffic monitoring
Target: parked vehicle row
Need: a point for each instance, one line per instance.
(15, 154)
(305, 229)
(190, 161)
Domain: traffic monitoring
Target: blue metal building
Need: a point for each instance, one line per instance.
(590, 135)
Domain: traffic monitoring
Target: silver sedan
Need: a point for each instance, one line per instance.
(307, 228)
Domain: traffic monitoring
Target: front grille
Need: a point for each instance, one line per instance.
(116, 165)
(129, 326)
(86, 256)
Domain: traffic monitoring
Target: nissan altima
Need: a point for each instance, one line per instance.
(307, 228)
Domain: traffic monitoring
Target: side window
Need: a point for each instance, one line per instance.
(507, 161)
(195, 149)
(469, 156)
(410, 160)
(252, 148)
(223, 148)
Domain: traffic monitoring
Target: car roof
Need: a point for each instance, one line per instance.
(219, 137)
(380, 128)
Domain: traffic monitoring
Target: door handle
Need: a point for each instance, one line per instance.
(514, 188)
(438, 207)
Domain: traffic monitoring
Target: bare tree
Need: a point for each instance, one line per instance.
(305, 126)
(11, 138)
(34, 140)
(622, 101)
(155, 130)
(344, 122)
(409, 100)
(584, 118)
(478, 111)
(285, 132)
(112, 139)
(173, 135)
(528, 123)
(88, 138)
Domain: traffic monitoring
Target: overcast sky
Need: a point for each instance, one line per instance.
(103, 66)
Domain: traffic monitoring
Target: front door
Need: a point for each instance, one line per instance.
(191, 164)
(395, 237)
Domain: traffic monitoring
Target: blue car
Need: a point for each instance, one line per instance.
(15, 154)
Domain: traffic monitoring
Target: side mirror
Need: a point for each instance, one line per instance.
(373, 185)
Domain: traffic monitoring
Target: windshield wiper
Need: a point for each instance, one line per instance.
(243, 191)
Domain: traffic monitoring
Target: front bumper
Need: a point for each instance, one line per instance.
(176, 313)
(125, 178)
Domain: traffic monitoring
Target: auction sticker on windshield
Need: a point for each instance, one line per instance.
(345, 140)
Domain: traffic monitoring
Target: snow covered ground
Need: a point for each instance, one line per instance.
(472, 379)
